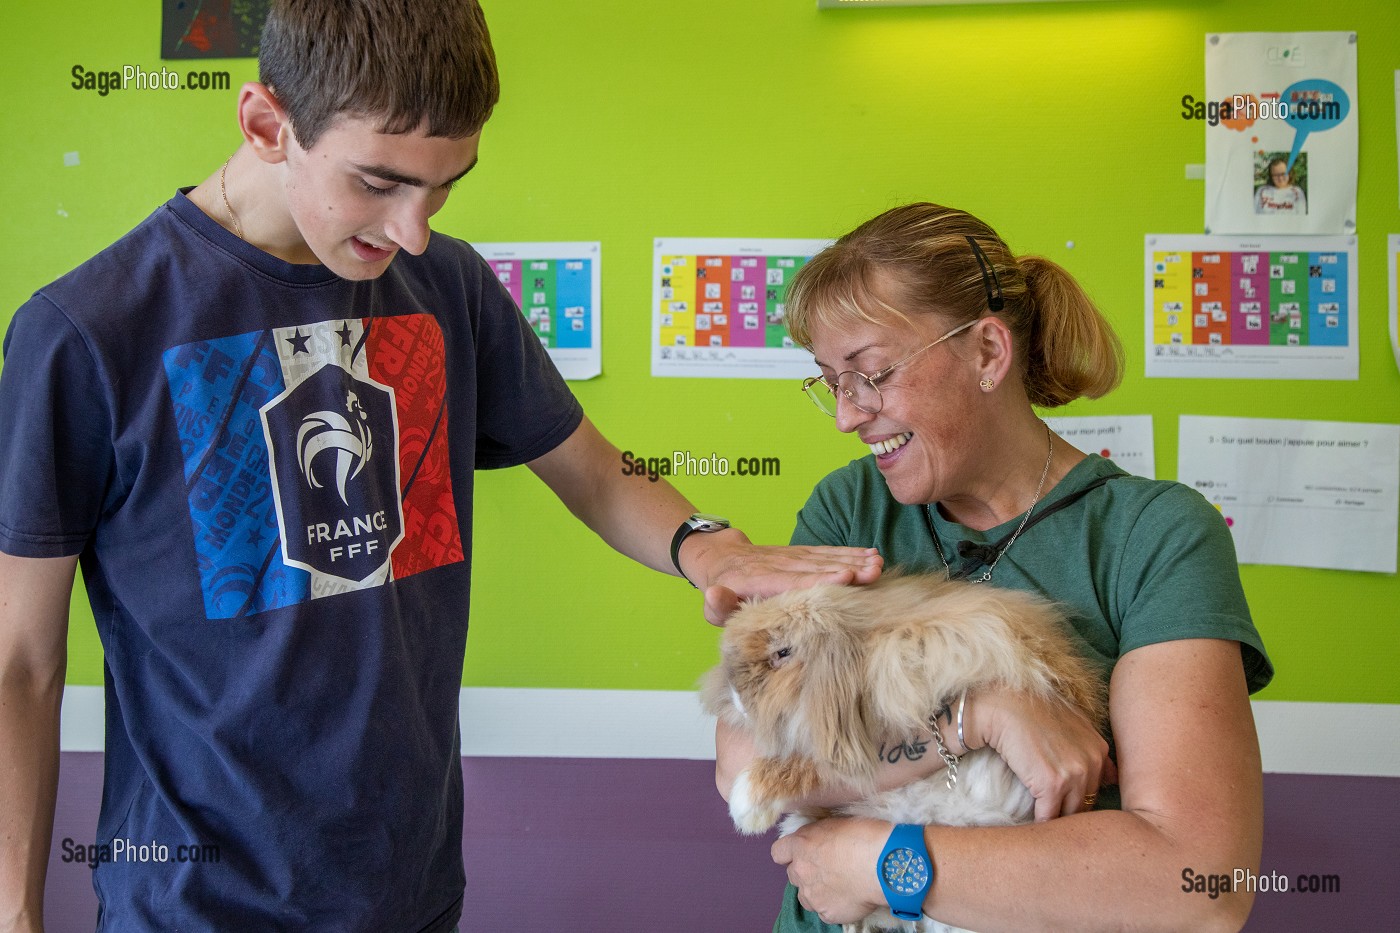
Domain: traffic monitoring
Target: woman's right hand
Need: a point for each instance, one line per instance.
(1053, 749)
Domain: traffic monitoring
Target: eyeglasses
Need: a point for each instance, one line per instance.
(860, 389)
(863, 390)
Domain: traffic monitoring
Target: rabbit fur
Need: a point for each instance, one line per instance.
(823, 678)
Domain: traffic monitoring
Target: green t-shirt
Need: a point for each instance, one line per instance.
(1134, 562)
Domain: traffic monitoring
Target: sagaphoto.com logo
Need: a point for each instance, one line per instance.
(1245, 880)
(690, 463)
(1244, 109)
(103, 81)
(93, 854)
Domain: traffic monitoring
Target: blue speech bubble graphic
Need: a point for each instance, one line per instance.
(1323, 106)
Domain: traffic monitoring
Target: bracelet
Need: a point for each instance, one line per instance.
(962, 701)
(949, 759)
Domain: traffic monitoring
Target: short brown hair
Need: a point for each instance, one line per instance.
(924, 264)
(406, 63)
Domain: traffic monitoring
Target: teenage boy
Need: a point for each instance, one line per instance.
(255, 423)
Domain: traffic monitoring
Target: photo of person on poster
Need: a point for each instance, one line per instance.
(1279, 189)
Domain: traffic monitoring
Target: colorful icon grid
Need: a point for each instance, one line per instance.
(555, 295)
(726, 301)
(1237, 298)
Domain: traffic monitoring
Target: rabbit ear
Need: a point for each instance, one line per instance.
(717, 697)
(900, 682)
(834, 706)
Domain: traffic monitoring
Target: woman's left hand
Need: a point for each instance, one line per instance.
(832, 863)
(1054, 750)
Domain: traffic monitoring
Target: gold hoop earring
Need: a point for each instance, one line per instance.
(988, 383)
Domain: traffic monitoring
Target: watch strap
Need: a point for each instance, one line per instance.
(696, 522)
(907, 905)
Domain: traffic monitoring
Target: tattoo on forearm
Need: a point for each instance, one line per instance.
(913, 750)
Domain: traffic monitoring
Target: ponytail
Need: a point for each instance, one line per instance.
(1072, 351)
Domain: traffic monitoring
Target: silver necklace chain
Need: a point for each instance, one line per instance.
(987, 574)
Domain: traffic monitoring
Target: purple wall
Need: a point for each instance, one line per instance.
(627, 839)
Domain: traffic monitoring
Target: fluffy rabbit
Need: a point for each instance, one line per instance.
(824, 678)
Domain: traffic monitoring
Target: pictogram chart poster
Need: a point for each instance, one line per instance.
(558, 287)
(718, 308)
(1299, 493)
(1251, 308)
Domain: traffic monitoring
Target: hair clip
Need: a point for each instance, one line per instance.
(995, 301)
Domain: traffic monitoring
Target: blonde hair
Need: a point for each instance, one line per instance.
(917, 259)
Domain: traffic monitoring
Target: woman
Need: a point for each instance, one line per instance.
(934, 343)
(1279, 195)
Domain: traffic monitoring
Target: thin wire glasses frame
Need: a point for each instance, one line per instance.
(861, 389)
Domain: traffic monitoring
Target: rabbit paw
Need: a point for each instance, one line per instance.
(751, 817)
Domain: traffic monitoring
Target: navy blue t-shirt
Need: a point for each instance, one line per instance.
(267, 471)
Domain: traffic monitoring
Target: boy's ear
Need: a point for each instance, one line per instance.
(265, 125)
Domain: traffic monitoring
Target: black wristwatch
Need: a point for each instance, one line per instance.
(698, 522)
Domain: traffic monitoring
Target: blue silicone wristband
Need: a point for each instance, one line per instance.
(907, 900)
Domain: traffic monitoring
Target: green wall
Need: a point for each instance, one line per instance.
(622, 120)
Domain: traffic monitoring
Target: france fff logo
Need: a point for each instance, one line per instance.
(335, 473)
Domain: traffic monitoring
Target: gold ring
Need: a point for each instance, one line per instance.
(1090, 799)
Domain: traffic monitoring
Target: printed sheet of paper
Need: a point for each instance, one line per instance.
(1392, 261)
(1124, 439)
(1299, 493)
(718, 308)
(1256, 308)
(558, 287)
(1282, 157)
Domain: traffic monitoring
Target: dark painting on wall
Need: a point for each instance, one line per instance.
(211, 28)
